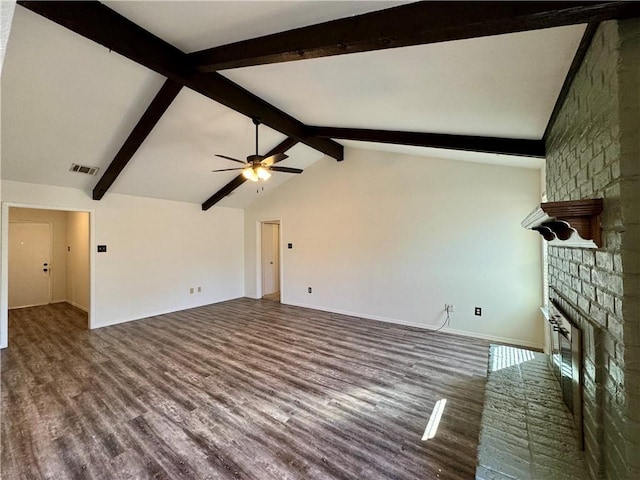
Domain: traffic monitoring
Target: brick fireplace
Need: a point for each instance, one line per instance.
(593, 151)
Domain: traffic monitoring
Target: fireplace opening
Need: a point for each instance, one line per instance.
(565, 340)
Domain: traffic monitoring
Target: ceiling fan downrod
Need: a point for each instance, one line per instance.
(256, 122)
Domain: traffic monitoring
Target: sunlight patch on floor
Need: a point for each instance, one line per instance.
(505, 357)
(434, 420)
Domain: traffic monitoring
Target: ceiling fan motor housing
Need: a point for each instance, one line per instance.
(255, 159)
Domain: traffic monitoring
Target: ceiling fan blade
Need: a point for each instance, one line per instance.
(232, 159)
(286, 169)
(227, 169)
(278, 157)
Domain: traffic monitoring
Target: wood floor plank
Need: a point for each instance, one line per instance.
(245, 389)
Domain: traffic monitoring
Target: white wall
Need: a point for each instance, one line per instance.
(78, 271)
(58, 221)
(157, 250)
(394, 237)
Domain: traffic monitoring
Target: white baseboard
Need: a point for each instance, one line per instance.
(161, 312)
(28, 306)
(77, 305)
(492, 338)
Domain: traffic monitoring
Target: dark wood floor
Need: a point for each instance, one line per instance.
(242, 389)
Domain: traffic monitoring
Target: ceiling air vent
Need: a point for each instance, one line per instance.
(83, 169)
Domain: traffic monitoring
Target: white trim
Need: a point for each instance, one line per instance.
(76, 305)
(4, 255)
(493, 338)
(163, 312)
(259, 256)
(258, 259)
(281, 259)
(29, 306)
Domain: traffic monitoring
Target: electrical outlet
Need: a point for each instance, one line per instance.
(478, 311)
(309, 290)
(199, 289)
(448, 307)
(191, 290)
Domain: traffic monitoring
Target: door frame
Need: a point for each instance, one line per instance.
(50, 224)
(4, 256)
(266, 281)
(259, 256)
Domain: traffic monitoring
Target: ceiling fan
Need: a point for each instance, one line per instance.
(258, 167)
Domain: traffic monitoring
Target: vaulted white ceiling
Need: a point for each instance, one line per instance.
(68, 100)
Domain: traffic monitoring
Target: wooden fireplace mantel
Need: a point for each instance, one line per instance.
(569, 224)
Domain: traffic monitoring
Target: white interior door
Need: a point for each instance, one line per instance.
(270, 258)
(29, 264)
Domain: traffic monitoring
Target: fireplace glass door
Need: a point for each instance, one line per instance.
(566, 369)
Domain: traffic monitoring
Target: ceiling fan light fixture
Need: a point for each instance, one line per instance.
(250, 174)
(257, 167)
(256, 173)
(263, 173)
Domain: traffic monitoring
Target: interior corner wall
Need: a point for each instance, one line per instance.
(78, 268)
(394, 237)
(156, 251)
(58, 221)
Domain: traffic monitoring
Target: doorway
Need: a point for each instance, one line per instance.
(270, 259)
(46, 259)
(29, 264)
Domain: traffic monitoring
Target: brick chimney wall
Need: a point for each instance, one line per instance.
(593, 150)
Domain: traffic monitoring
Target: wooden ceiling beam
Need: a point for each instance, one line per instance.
(224, 91)
(413, 24)
(506, 146)
(282, 147)
(102, 25)
(149, 119)
(223, 192)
